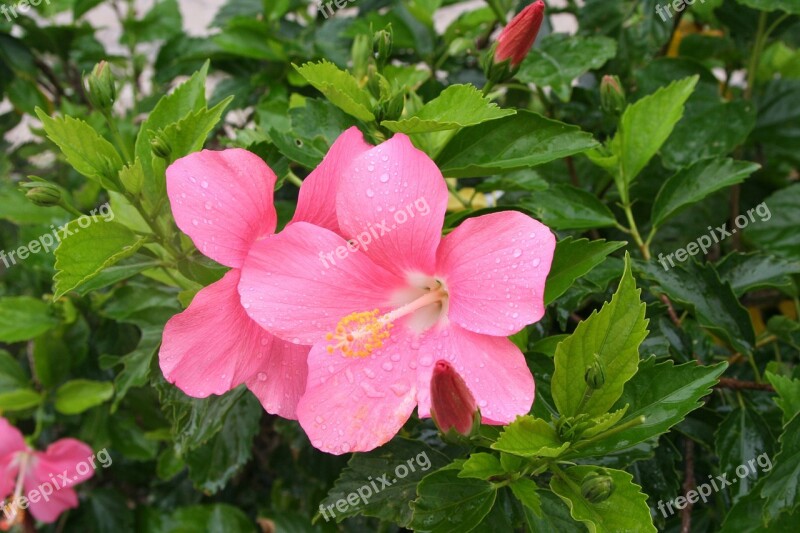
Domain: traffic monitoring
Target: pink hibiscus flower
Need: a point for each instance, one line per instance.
(379, 317)
(40, 481)
(224, 202)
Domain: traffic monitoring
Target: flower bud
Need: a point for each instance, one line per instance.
(42, 193)
(516, 39)
(160, 147)
(597, 487)
(595, 376)
(102, 90)
(383, 46)
(612, 95)
(452, 405)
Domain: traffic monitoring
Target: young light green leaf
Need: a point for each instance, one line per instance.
(692, 184)
(456, 107)
(530, 437)
(522, 140)
(340, 87)
(189, 134)
(625, 510)
(88, 152)
(20, 400)
(574, 258)
(527, 491)
(612, 337)
(88, 251)
(788, 398)
(22, 318)
(481, 466)
(655, 114)
(75, 397)
(560, 58)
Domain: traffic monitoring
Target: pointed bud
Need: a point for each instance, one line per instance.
(516, 39)
(102, 91)
(595, 376)
(612, 96)
(597, 487)
(42, 193)
(452, 405)
(383, 46)
(160, 147)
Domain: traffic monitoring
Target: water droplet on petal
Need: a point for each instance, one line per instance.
(204, 184)
(517, 252)
(536, 262)
(384, 178)
(370, 193)
(387, 366)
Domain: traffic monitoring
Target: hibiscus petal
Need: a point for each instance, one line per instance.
(493, 368)
(357, 404)
(393, 200)
(287, 288)
(316, 203)
(213, 346)
(223, 201)
(66, 457)
(495, 267)
(11, 439)
(49, 511)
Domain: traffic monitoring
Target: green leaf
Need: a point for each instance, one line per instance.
(88, 251)
(250, 37)
(189, 134)
(742, 436)
(216, 517)
(625, 510)
(655, 114)
(788, 398)
(790, 6)
(527, 491)
(613, 335)
(389, 503)
(558, 59)
(777, 228)
(12, 377)
(574, 258)
(456, 107)
(19, 400)
(449, 504)
(781, 488)
(481, 466)
(530, 437)
(212, 465)
(692, 184)
(87, 152)
(22, 318)
(748, 272)
(565, 207)
(663, 394)
(523, 140)
(340, 87)
(75, 397)
(713, 301)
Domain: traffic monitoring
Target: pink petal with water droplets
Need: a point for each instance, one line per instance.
(223, 201)
(11, 443)
(495, 267)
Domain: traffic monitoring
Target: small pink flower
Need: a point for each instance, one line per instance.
(516, 39)
(452, 403)
(25, 472)
(379, 317)
(224, 202)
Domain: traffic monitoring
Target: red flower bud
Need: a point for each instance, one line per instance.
(452, 404)
(516, 39)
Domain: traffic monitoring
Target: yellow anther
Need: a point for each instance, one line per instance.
(359, 334)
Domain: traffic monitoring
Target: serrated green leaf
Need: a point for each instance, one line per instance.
(456, 107)
(692, 184)
(189, 134)
(527, 491)
(530, 437)
(777, 229)
(22, 318)
(790, 6)
(742, 436)
(523, 140)
(574, 258)
(481, 466)
(788, 391)
(75, 397)
(782, 486)
(88, 251)
(565, 207)
(613, 335)
(449, 504)
(748, 272)
(340, 87)
(625, 510)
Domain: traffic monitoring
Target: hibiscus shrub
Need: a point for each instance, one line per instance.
(401, 264)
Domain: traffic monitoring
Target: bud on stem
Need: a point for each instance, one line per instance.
(102, 91)
(597, 487)
(453, 407)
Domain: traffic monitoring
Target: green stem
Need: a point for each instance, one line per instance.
(639, 420)
(643, 246)
(118, 137)
(501, 17)
(292, 178)
(755, 56)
